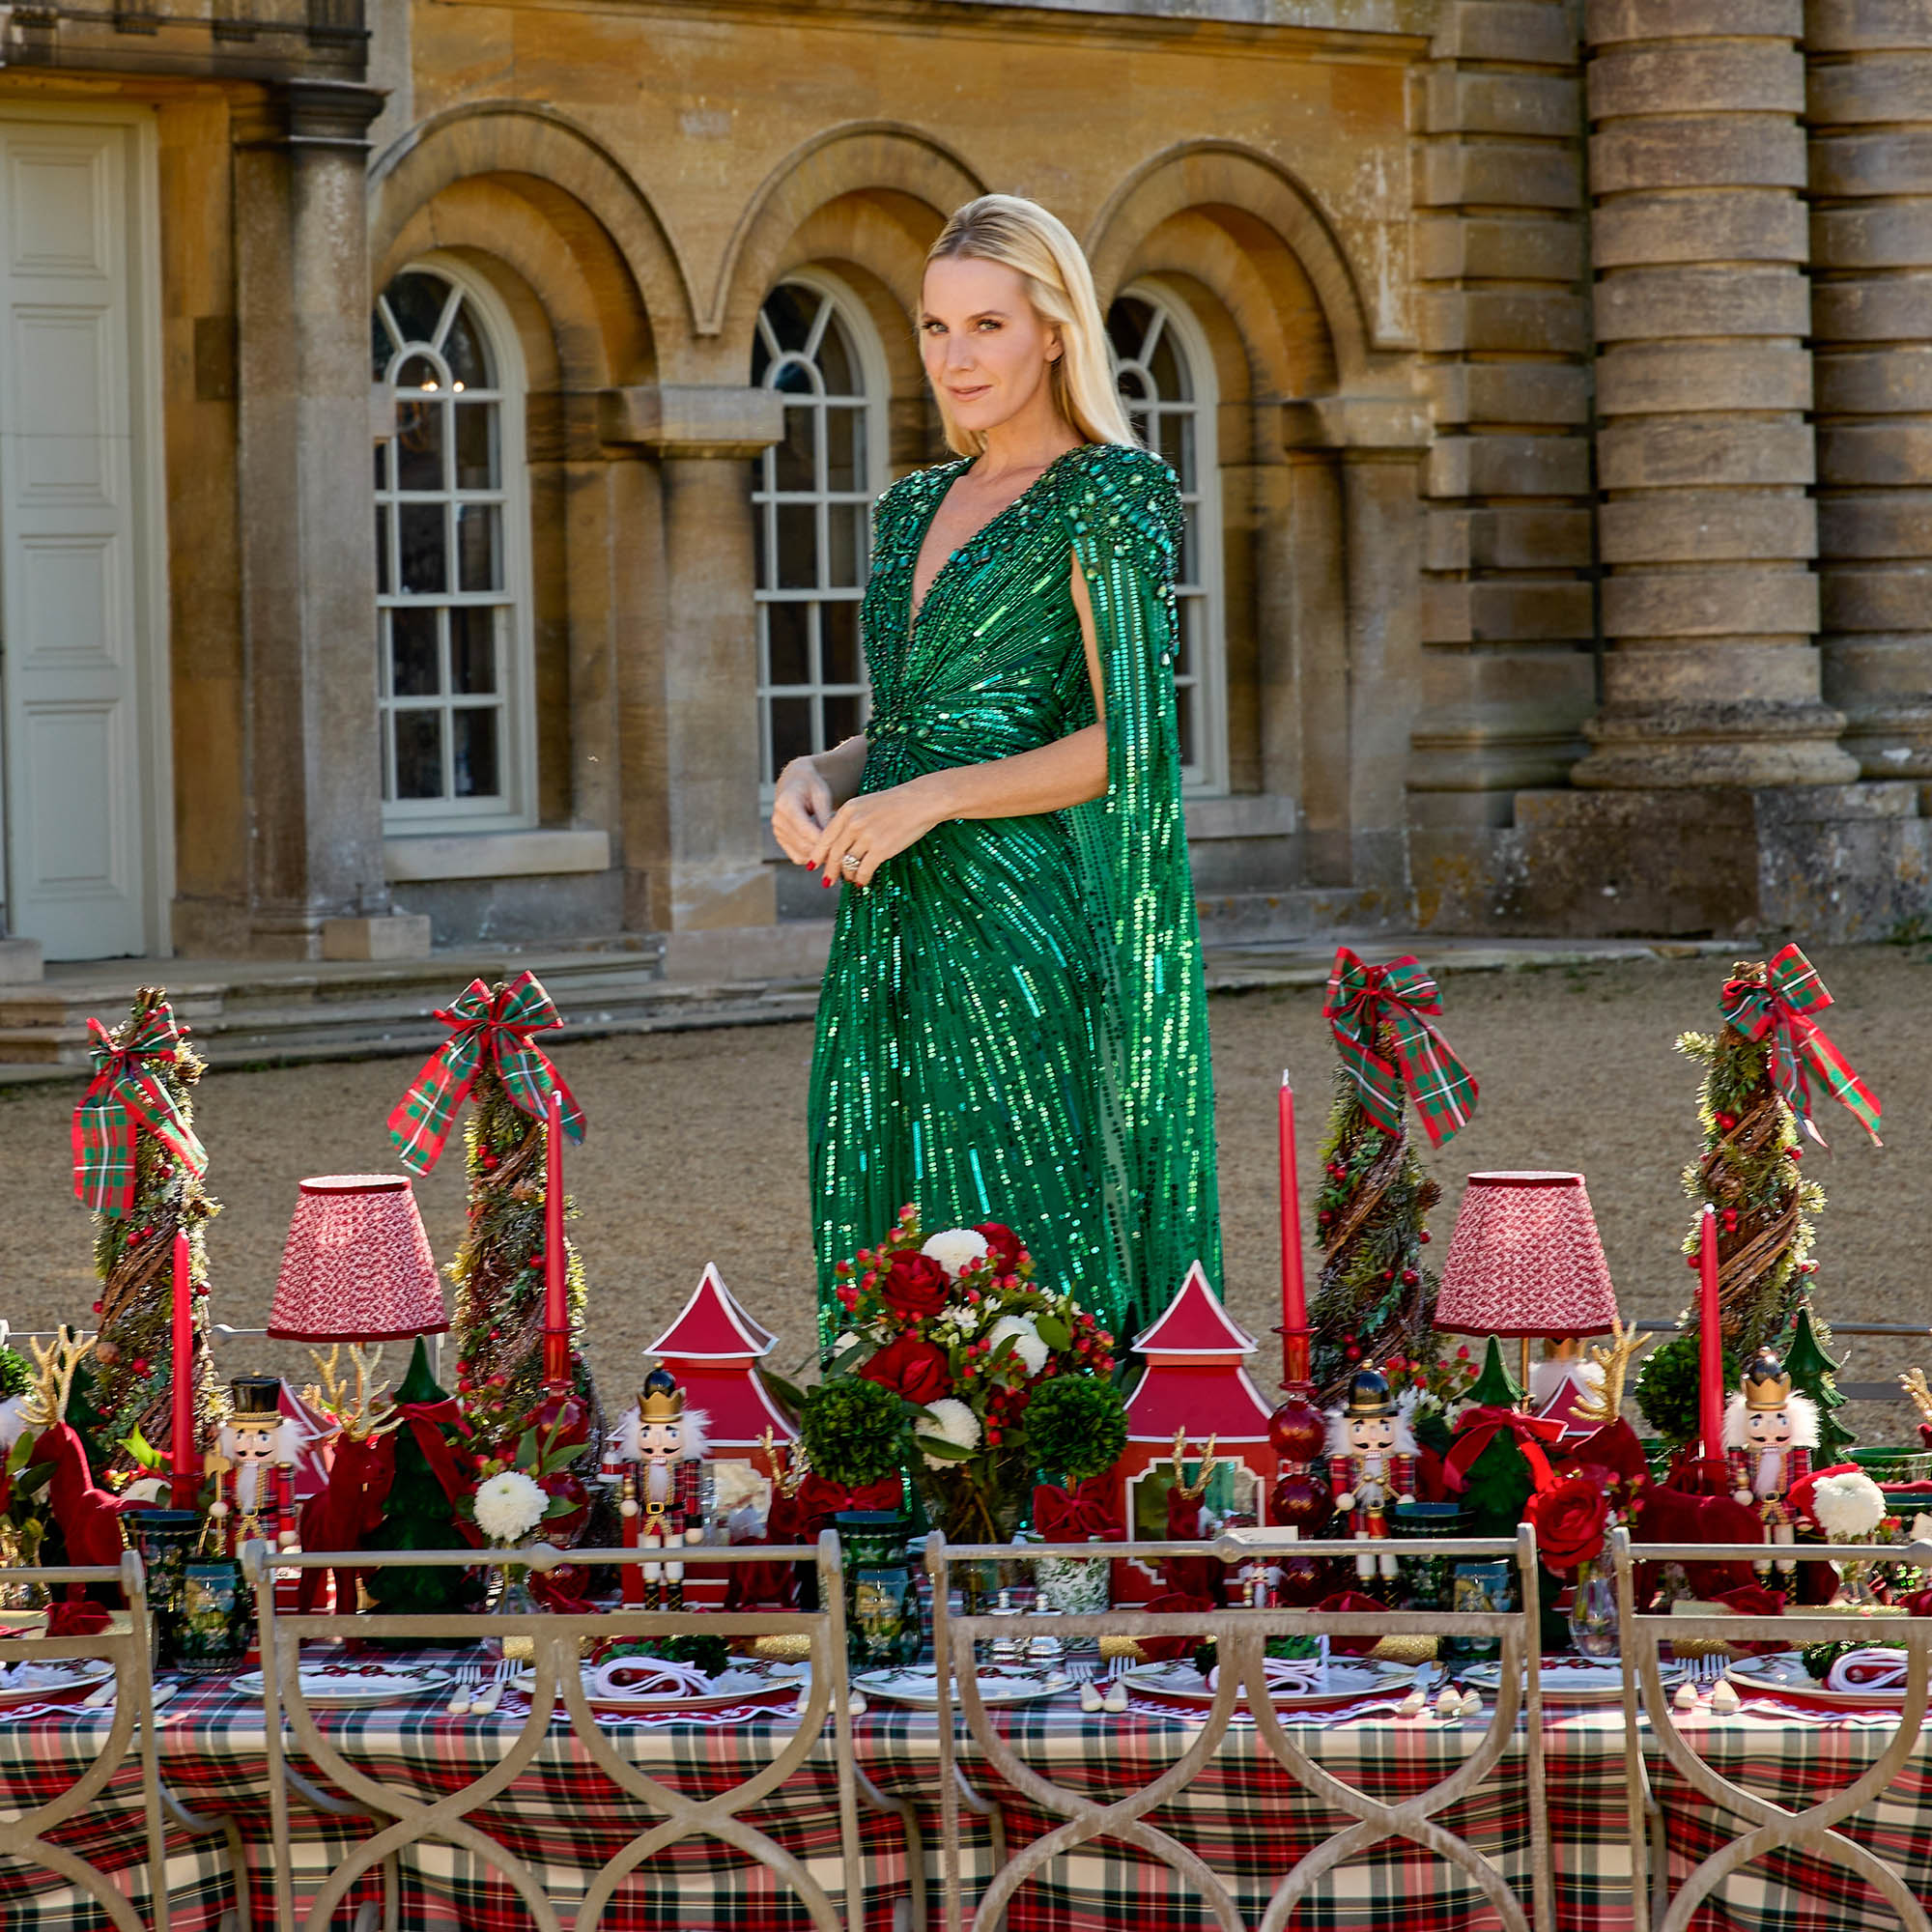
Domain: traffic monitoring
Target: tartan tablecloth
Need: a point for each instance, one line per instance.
(1242, 1814)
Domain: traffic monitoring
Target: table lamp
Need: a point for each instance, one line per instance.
(357, 1265)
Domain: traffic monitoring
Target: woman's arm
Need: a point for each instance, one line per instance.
(809, 790)
(1049, 779)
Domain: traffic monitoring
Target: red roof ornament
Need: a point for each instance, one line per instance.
(1194, 1324)
(713, 1347)
(713, 1326)
(1195, 1376)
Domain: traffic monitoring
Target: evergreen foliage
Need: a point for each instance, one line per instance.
(1813, 1372)
(1667, 1385)
(1076, 1427)
(419, 1516)
(1499, 1479)
(1375, 1298)
(853, 1430)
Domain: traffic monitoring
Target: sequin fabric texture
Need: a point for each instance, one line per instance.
(1012, 1025)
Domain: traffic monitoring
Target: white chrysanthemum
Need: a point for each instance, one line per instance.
(509, 1506)
(1848, 1507)
(955, 1249)
(951, 1422)
(1027, 1344)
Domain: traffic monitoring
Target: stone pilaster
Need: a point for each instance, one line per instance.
(1869, 90)
(706, 868)
(309, 567)
(1705, 529)
(1509, 674)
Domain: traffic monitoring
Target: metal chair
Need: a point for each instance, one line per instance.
(555, 1641)
(1810, 1830)
(1240, 1637)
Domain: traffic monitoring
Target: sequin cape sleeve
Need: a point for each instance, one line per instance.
(1123, 517)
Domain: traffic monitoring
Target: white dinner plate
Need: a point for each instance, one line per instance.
(344, 1686)
(920, 1688)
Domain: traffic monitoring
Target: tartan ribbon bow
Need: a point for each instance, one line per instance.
(1360, 999)
(126, 1095)
(1479, 1426)
(482, 1022)
(1781, 1004)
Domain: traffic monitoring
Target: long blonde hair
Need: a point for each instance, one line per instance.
(1037, 246)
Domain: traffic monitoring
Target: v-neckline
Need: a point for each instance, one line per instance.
(918, 610)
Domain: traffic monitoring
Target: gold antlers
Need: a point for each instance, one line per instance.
(368, 1412)
(786, 1467)
(1912, 1383)
(54, 1385)
(1194, 1491)
(1625, 1345)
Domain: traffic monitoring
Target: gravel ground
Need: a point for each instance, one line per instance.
(696, 1153)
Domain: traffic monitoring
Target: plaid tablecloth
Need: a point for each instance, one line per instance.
(1241, 1813)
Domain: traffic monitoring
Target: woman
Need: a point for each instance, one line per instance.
(1013, 1026)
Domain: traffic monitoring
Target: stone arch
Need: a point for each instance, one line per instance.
(908, 177)
(597, 210)
(1270, 218)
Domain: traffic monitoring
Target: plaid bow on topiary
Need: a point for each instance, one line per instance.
(498, 1024)
(126, 1095)
(1363, 998)
(1779, 999)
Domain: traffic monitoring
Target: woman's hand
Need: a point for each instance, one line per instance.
(875, 828)
(801, 809)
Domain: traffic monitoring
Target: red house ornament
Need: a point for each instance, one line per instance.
(1193, 1382)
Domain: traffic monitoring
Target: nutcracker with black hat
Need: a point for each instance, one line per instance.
(1371, 1464)
(253, 1467)
(657, 1454)
(1769, 1432)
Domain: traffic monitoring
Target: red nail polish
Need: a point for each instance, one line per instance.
(826, 882)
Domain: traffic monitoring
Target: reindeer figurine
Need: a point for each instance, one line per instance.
(351, 1505)
(1912, 1383)
(1606, 1404)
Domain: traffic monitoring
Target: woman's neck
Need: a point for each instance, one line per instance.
(1029, 439)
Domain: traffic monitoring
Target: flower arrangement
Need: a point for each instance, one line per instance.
(1847, 1505)
(955, 1328)
(508, 1506)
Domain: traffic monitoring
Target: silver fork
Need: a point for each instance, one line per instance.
(1707, 1670)
(469, 1680)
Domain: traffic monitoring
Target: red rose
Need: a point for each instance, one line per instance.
(911, 1368)
(1006, 1246)
(1569, 1518)
(917, 1284)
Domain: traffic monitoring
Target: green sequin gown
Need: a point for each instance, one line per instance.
(1012, 1025)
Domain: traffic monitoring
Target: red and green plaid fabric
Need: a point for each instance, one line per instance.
(1361, 999)
(126, 1095)
(480, 1023)
(1782, 1007)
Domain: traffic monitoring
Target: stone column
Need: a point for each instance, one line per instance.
(309, 563)
(1869, 86)
(1702, 305)
(709, 870)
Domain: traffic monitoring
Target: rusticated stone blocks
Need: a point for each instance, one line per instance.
(1705, 528)
(1870, 83)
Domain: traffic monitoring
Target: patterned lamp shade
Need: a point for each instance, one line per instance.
(358, 1266)
(1526, 1259)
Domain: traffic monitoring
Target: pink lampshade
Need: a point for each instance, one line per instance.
(358, 1266)
(1526, 1259)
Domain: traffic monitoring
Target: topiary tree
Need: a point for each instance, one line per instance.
(853, 1430)
(1814, 1372)
(1497, 1483)
(1077, 1428)
(431, 1473)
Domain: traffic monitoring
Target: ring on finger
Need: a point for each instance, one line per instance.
(851, 861)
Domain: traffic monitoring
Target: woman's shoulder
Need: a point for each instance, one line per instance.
(917, 490)
(1119, 490)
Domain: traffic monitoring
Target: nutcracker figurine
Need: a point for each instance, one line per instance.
(253, 1467)
(1371, 1464)
(659, 1451)
(1769, 1432)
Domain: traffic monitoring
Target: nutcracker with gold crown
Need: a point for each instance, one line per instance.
(658, 1455)
(253, 1467)
(1769, 1432)
(1371, 1464)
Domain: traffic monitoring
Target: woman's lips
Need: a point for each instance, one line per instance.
(969, 395)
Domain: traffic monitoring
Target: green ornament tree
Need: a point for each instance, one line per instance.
(1375, 1296)
(126, 1387)
(1814, 1372)
(1500, 1481)
(419, 1514)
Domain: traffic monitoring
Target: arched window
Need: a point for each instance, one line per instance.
(812, 496)
(1166, 380)
(452, 532)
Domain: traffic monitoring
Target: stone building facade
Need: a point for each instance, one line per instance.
(435, 445)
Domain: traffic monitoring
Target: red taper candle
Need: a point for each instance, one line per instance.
(1294, 1285)
(181, 1448)
(557, 1291)
(1710, 1389)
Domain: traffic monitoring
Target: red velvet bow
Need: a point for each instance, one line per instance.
(1753, 1599)
(1175, 1603)
(77, 1616)
(1479, 1428)
(1073, 1515)
(819, 1500)
(753, 1586)
(1352, 1602)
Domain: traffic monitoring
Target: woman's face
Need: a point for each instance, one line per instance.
(987, 352)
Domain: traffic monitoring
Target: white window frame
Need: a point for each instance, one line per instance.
(765, 498)
(514, 809)
(1206, 777)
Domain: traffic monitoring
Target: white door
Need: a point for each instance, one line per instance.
(69, 623)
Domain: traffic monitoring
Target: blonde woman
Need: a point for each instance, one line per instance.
(1011, 1027)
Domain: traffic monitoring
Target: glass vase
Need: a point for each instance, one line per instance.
(166, 1539)
(883, 1626)
(1854, 1591)
(1593, 1609)
(217, 1617)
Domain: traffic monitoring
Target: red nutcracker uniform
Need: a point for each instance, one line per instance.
(1371, 1464)
(1770, 1432)
(253, 1467)
(658, 1458)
